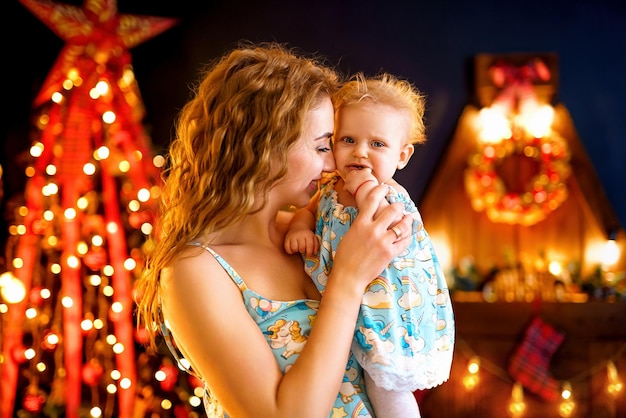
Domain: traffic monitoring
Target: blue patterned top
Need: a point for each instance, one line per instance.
(286, 326)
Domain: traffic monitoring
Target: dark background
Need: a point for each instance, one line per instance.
(432, 43)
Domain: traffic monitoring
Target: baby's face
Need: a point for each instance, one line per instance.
(374, 136)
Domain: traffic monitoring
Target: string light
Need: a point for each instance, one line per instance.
(517, 406)
(615, 385)
(471, 379)
(567, 405)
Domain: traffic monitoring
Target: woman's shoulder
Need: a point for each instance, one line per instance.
(195, 263)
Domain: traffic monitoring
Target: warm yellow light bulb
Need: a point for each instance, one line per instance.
(11, 288)
(615, 385)
(109, 117)
(125, 383)
(494, 125)
(471, 379)
(517, 406)
(610, 255)
(95, 412)
(474, 365)
(539, 121)
(567, 405)
(166, 404)
(102, 153)
(566, 391)
(555, 268)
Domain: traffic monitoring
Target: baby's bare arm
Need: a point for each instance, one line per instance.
(300, 236)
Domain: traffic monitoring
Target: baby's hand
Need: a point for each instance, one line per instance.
(302, 241)
(359, 178)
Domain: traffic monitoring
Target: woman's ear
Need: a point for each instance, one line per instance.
(405, 155)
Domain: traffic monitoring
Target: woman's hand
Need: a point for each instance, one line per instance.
(373, 240)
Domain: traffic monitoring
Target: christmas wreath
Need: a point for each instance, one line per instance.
(544, 192)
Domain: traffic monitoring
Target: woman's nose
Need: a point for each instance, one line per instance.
(329, 162)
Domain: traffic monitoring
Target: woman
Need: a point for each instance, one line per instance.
(255, 139)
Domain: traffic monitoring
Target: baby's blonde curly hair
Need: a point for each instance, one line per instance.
(390, 90)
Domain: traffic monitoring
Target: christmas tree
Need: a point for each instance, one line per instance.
(69, 342)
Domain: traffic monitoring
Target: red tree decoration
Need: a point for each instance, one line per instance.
(72, 251)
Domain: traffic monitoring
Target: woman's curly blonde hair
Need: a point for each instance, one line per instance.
(230, 148)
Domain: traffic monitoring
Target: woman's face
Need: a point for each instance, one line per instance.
(309, 157)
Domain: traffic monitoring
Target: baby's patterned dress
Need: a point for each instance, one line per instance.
(405, 330)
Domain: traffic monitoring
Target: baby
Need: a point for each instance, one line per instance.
(405, 333)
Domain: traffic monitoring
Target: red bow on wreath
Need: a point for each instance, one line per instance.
(517, 84)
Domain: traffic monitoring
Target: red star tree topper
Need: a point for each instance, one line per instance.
(91, 179)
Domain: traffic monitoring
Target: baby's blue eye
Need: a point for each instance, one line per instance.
(378, 144)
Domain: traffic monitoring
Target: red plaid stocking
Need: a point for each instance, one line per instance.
(530, 362)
